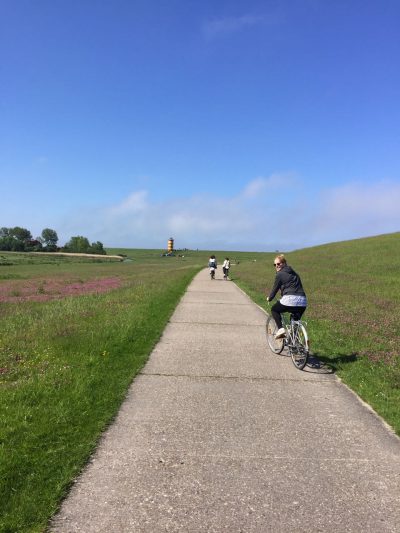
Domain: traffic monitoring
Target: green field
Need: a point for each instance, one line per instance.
(74, 333)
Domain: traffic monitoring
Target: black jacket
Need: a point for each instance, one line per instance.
(288, 282)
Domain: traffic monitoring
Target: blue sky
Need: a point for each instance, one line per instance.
(240, 125)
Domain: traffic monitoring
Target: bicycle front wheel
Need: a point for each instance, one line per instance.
(299, 351)
(271, 328)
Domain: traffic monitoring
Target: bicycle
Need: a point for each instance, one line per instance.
(295, 339)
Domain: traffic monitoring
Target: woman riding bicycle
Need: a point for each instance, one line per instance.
(293, 298)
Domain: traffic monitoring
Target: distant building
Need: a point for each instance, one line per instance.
(170, 247)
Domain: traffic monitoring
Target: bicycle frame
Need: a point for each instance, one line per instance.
(292, 328)
(295, 339)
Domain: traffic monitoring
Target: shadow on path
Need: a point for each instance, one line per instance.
(314, 365)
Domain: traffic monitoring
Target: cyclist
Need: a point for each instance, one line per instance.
(212, 264)
(293, 298)
(225, 267)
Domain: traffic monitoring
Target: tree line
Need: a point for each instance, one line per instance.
(20, 240)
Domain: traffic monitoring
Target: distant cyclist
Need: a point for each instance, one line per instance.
(293, 298)
(212, 265)
(225, 267)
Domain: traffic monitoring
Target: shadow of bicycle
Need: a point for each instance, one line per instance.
(329, 365)
(314, 364)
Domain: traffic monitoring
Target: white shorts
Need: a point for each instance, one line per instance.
(293, 300)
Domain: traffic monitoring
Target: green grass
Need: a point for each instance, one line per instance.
(65, 368)
(26, 258)
(354, 305)
(66, 364)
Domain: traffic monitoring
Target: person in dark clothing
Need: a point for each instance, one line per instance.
(293, 298)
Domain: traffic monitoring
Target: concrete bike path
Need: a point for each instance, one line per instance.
(217, 434)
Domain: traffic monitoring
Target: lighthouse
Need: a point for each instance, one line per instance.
(170, 247)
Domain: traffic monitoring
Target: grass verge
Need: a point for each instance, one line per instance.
(65, 368)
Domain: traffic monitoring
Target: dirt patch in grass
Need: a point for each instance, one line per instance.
(51, 289)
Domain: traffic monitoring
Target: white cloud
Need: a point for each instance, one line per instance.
(269, 213)
(136, 221)
(135, 203)
(379, 199)
(353, 210)
(359, 209)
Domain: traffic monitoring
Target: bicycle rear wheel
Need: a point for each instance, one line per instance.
(271, 328)
(299, 352)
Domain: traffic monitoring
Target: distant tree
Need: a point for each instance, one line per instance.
(97, 248)
(21, 234)
(13, 245)
(5, 239)
(77, 244)
(49, 238)
(6, 243)
(14, 239)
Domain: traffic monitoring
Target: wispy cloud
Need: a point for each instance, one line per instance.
(357, 209)
(134, 203)
(262, 184)
(262, 216)
(227, 25)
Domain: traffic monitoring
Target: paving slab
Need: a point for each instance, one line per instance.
(218, 434)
